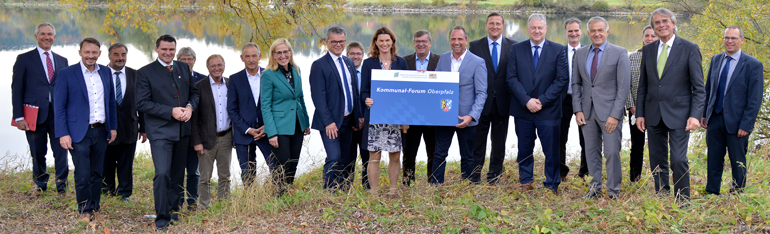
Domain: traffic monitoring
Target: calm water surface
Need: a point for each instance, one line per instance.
(17, 28)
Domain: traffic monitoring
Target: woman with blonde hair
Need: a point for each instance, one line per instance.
(381, 137)
(284, 112)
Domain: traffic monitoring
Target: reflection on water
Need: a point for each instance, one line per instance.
(17, 26)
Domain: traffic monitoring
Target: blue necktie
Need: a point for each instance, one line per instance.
(118, 88)
(345, 85)
(494, 55)
(537, 55)
(358, 74)
(722, 86)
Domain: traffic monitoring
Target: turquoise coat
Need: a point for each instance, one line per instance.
(281, 105)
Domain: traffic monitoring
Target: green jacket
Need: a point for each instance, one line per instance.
(282, 105)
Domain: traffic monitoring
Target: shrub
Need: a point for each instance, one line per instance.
(600, 5)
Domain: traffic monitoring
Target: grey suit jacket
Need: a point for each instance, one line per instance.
(679, 93)
(608, 92)
(473, 83)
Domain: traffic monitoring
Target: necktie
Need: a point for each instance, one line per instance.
(48, 66)
(494, 55)
(572, 61)
(594, 63)
(358, 74)
(722, 86)
(348, 96)
(118, 88)
(662, 60)
(170, 68)
(536, 56)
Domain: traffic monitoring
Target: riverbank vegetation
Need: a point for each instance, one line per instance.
(455, 207)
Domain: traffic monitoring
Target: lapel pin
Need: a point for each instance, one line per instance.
(179, 77)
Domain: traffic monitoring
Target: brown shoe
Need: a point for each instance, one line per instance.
(554, 192)
(84, 218)
(526, 187)
(95, 215)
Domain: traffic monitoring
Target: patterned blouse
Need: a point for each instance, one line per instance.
(636, 61)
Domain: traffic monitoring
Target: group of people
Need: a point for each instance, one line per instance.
(192, 121)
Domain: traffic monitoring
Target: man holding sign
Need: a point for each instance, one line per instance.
(472, 95)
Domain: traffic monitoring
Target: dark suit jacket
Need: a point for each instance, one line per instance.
(744, 92)
(158, 91)
(30, 83)
(679, 93)
(130, 121)
(366, 82)
(204, 119)
(71, 109)
(328, 94)
(198, 77)
(244, 112)
(546, 82)
(496, 81)
(432, 61)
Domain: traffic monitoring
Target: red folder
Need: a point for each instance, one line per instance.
(30, 115)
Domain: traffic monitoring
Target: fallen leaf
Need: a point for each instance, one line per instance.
(304, 224)
(107, 230)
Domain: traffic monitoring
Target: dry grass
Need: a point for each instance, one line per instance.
(456, 207)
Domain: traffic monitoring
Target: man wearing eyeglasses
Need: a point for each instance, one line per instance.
(338, 108)
(734, 92)
(355, 51)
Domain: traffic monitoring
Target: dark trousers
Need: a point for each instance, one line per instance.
(38, 147)
(170, 159)
(660, 138)
(193, 176)
(88, 157)
(637, 152)
(119, 158)
(548, 132)
(567, 112)
(286, 157)
(357, 144)
(247, 159)
(719, 142)
(443, 142)
(499, 126)
(338, 156)
(412, 145)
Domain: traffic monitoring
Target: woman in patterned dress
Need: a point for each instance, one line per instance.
(381, 137)
(637, 137)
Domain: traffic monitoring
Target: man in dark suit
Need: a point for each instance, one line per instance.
(166, 96)
(245, 111)
(34, 77)
(187, 55)
(573, 32)
(537, 77)
(495, 114)
(355, 51)
(337, 108)
(120, 153)
(86, 121)
(670, 100)
(425, 60)
(734, 92)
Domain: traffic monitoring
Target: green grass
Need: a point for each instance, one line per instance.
(455, 207)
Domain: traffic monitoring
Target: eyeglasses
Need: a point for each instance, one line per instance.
(355, 54)
(337, 42)
(420, 41)
(279, 53)
(731, 38)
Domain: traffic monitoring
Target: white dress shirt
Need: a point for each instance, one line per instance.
(570, 54)
(165, 64)
(499, 47)
(42, 59)
(457, 62)
(254, 84)
(219, 91)
(340, 70)
(95, 90)
(539, 50)
(670, 44)
(122, 78)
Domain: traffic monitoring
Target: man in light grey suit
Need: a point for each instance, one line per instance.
(600, 86)
(473, 94)
(670, 101)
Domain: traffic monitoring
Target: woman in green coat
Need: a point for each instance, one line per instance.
(284, 112)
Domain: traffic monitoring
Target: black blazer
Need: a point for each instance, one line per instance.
(432, 61)
(204, 119)
(30, 83)
(496, 87)
(158, 91)
(130, 121)
(679, 93)
(366, 83)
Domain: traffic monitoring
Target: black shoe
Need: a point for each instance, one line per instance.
(125, 200)
(613, 196)
(592, 194)
(174, 218)
(161, 229)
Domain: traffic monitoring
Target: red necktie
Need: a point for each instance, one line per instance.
(170, 68)
(594, 63)
(48, 66)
